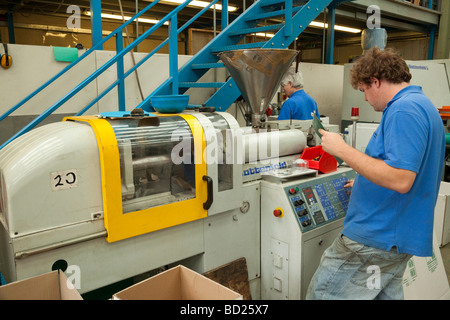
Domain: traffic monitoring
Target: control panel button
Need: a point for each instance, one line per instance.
(306, 223)
(319, 201)
(278, 212)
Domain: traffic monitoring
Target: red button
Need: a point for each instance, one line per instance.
(277, 213)
(291, 190)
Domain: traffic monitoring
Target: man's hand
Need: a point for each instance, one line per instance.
(375, 170)
(349, 183)
(332, 143)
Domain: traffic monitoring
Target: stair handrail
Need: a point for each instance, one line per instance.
(142, 61)
(100, 70)
(72, 64)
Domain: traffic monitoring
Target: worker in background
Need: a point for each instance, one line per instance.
(300, 105)
(391, 209)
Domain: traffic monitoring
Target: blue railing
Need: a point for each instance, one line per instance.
(118, 58)
(173, 53)
(97, 46)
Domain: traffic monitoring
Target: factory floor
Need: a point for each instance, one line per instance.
(106, 293)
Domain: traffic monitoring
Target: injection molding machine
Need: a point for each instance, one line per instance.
(120, 196)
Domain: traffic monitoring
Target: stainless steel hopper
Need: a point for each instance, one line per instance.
(258, 73)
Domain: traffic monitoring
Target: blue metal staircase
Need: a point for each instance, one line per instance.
(294, 15)
(291, 16)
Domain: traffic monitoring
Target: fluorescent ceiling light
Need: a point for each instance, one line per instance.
(262, 34)
(119, 17)
(200, 4)
(336, 27)
(318, 25)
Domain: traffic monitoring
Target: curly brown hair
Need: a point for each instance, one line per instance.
(380, 64)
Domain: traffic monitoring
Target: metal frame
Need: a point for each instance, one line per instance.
(296, 20)
(229, 92)
(225, 96)
(98, 45)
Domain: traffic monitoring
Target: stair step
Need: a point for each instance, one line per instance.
(266, 3)
(208, 65)
(239, 46)
(271, 14)
(231, 39)
(200, 84)
(257, 29)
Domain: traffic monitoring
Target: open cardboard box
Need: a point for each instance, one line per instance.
(49, 286)
(425, 277)
(178, 283)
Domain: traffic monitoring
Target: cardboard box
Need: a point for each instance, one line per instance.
(178, 283)
(49, 286)
(442, 215)
(425, 278)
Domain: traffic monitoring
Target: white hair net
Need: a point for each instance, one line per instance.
(295, 78)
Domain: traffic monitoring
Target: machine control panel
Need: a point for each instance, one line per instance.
(321, 200)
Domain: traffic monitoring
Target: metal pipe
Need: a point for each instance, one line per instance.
(354, 134)
(137, 26)
(27, 253)
(96, 23)
(173, 53)
(120, 71)
(224, 14)
(431, 42)
(11, 35)
(330, 34)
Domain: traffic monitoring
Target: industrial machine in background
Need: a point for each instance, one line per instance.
(431, 75)
(117, 195)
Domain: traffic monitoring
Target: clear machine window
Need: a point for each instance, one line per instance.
(225, 165)
(156, 161)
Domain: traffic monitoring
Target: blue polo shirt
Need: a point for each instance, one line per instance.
(300, 105)
(410, 136)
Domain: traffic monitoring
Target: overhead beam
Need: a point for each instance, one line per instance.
(401, 10)
(385, 22)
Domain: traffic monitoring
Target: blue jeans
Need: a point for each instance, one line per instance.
(350, 270)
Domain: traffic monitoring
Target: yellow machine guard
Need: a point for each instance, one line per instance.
(122, 226)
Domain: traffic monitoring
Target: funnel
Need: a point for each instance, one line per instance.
(258, 73)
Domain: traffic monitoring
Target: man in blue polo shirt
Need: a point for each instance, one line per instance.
(391, 210)
(300, 105)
